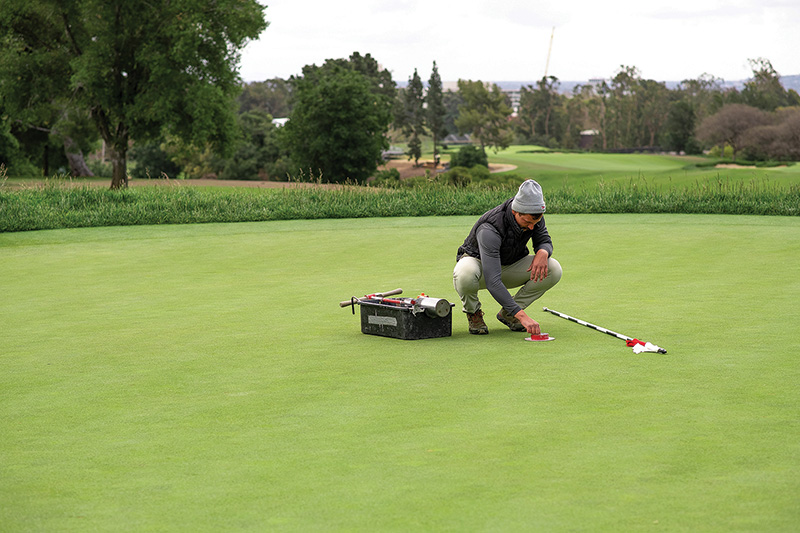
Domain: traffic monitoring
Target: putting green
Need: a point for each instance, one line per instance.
(204, 378)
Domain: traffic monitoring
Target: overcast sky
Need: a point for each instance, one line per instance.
(508, 40)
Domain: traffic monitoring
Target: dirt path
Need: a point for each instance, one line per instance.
(406, 169)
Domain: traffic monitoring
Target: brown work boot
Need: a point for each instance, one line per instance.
(476, 324)
(512, 322)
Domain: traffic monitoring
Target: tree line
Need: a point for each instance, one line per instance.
(156, 83)
(625, 113)
(628, 112)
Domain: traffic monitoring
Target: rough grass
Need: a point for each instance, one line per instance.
(58, 206)
(203, 378)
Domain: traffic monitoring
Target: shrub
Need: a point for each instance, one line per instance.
(243, 165)
(387, 178)
(150, 161)
(99, 168)
(693, 147)
(458, 176)
(469, 156)
(716, 152)
(279, 170)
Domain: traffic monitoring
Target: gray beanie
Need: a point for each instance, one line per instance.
(529, 199)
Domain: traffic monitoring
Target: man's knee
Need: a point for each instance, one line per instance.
(553, 276)
(554, 270)
(467, 275)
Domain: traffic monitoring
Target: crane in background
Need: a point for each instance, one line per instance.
(549, 51)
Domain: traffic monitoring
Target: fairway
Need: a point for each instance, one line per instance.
(660, 171)
(204, 378)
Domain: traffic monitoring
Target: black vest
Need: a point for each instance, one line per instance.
(513, 238)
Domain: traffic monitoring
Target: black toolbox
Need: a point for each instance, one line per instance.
(404, 321)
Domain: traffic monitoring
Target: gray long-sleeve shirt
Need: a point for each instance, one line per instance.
(489, 241)
(497, 239)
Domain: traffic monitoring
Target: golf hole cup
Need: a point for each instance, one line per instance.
(540, 338)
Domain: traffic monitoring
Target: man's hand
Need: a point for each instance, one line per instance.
(531, 326)
(538, 268)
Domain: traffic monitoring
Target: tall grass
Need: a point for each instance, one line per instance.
(714, 196)
(58, 206)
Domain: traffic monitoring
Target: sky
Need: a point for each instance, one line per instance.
(510, 40)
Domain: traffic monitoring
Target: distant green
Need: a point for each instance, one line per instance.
(655, 170)
(203, 378)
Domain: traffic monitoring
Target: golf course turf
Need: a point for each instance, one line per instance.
(204, 378)
(657, 171)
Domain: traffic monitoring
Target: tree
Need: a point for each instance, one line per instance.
(621, 108)
(529, 112)
(258, 153)
(338, 123)
(485, 114)
(653, 108)
(764, 89)
(436, 111)
(779, 140)
(151, 161)
(597, 110)
(32, 88)
(680, 126)
(270, 96)
(787, 145)
(538, 107)
(452, 102)
(414, 117)
(704, 94)
(35, 148)
(381, 84)
(65, 126)
(576, 115)
(548, 92)
(730, 125)
(9, 145)
(138, 67)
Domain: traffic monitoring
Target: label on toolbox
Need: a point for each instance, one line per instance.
(382, 320)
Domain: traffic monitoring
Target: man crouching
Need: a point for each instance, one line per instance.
(495, 256)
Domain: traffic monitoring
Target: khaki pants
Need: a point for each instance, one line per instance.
(468, 280)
